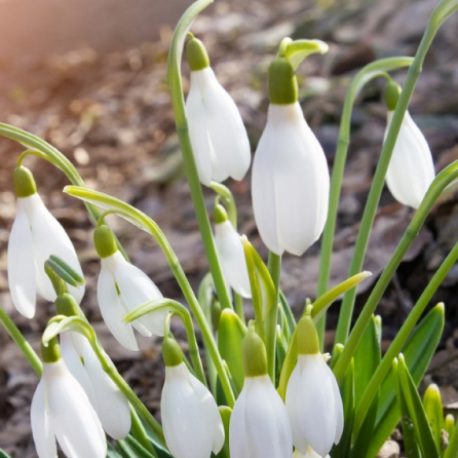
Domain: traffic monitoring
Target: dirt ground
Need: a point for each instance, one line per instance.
(96, 90)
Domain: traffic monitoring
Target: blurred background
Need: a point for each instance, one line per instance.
(89, 77)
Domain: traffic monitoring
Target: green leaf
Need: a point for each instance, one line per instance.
(452, 449)
(413, 410)
(3, 454)
(231, 332)
(367, 358)
(418, 353)
(432, 402)
(64, 271)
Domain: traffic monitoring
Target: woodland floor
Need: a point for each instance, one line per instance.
(107, 107)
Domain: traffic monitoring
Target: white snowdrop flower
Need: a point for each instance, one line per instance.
(230, 250)
(290, 176)
(411, 168)
(190, 418)
(218, 137)
(313, 398)
(259, 425)
(35, 236)
(122, 287)
(310, 453)
(109, 403)
(61, 410)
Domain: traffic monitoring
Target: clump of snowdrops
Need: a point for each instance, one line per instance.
(268, 390)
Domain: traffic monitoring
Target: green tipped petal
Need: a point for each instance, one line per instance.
(104, 241)
(196, 54)
(254, 355)
(171, 352)
(283, 88)
(24, 183)
(307, 337)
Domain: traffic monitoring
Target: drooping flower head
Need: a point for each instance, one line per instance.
(190, 418)
(230, 251)
(313, 398)
(121, 287)
(218, 137)
(290, 177)
(259, 424)
(62, 411)
(109, 403)
(411, 168)
(35, 236)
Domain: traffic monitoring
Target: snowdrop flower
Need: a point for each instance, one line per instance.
(35, 236)
(309, 454)
(61, 410)
(190, 418)
(290, 177)
(411, 168)
(259, 425)
(122, 287)
(230, 251)
(313, 398)
(218, 136)
(109, 403)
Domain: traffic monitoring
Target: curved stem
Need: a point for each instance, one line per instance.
(180, 311)
(227, 197)
(176, 90)
(364, 76)
(378, 181)
(402, 336)
(445, 177)
(22, 343)
(143, 221)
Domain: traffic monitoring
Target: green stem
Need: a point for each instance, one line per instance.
(138, 432)
(402, 336)
(378, 181)
(178, 103)
(227, 197)
(274, 266)
(238, 307)
(19, 339)
(180, 311)
(140, 219)
(442, 180)
(364, 76)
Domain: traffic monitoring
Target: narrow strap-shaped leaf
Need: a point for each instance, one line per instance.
(414, 411)
(418, 353)
(64, 271)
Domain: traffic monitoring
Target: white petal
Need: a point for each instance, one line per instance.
(136, 289)
(113, 310)
(259, 425)
(311, 404)
(43, 434)
(309, 454)
(411, 168)
(110, 404)
(50, 238)
(192, 425)
(290, 183)
(72, 355)
(230, 251)
(218, 136)
(77, 428)
(21, 265)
